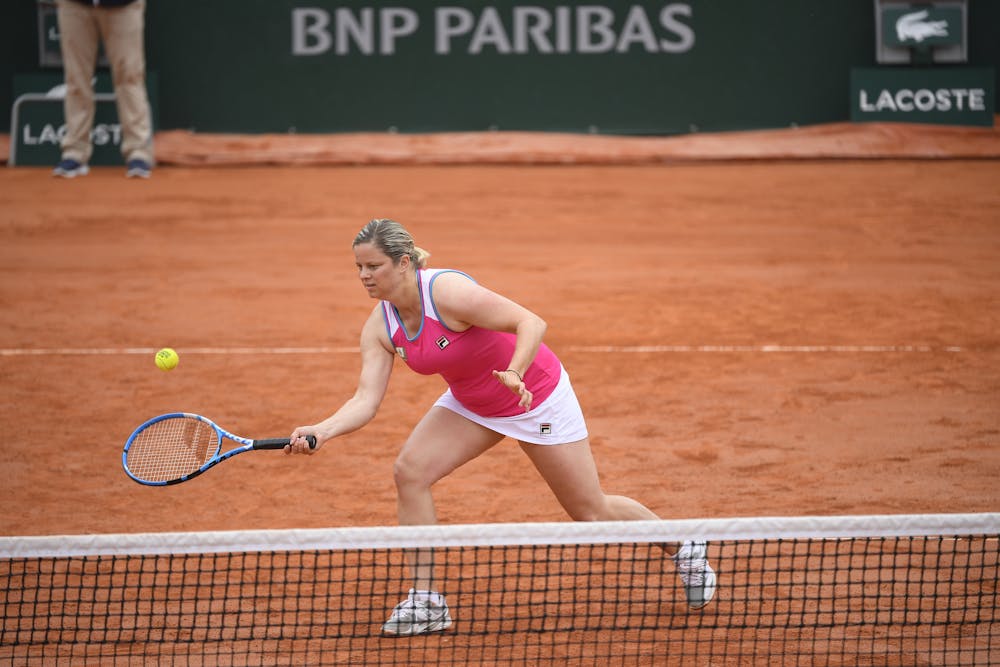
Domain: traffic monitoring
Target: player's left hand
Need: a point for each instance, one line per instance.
(510, 380)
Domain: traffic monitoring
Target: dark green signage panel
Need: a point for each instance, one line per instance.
(638, 67)
(945, 95)
(643, 67)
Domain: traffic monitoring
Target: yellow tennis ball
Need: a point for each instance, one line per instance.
(167, 359)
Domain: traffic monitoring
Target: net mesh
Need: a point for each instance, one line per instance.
(838, 591)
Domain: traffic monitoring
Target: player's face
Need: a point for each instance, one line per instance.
(375, 269)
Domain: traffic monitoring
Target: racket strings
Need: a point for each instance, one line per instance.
(171, 448)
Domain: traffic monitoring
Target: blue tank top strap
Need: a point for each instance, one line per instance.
(389, 319)
(430, 275)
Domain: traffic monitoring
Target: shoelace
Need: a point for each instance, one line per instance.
(415, 606)
(691, 571)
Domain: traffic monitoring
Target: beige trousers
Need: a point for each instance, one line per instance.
(81, 30)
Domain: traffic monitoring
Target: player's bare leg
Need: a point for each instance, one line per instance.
(440, 443)
(571, 473)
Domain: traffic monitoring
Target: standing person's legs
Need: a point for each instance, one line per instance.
(122, 29)
(79, 40)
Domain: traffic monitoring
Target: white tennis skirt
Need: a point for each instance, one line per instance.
(556, 421)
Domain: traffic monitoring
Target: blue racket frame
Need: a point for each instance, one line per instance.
(246, 445)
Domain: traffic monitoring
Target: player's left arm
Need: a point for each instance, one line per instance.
(463, 303)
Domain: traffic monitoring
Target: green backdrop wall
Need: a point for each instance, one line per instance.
(636, 67)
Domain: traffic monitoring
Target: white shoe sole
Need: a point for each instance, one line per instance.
(438, 625)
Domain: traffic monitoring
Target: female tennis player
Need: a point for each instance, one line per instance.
(503, 381)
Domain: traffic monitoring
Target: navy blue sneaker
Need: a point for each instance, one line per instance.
(138, 169)
(70, 169)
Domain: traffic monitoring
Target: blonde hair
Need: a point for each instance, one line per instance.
(392, 239)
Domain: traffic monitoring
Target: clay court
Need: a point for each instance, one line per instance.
(757, 334)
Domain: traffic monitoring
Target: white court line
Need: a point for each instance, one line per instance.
(32, 352)
(595, 349)
(766, 348)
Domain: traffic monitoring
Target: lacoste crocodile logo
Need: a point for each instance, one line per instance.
(915, 26)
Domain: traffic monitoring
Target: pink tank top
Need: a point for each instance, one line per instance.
(467, 359)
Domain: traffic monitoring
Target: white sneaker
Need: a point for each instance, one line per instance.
(696, 574)
(416, 616)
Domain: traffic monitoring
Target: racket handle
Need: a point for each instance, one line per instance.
(281, 443)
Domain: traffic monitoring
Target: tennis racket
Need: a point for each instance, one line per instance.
(179, 446)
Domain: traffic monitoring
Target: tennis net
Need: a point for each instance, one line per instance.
(885, 590)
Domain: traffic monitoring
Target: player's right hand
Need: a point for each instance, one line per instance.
(299, 444)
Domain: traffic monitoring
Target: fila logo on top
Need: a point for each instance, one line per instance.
(442, 342)
(915, 26)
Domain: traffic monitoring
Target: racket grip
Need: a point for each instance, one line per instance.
(281, 443)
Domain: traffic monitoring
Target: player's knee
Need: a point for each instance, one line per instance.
(407, 473)
(402, 473)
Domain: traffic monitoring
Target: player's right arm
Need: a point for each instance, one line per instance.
(376, 366)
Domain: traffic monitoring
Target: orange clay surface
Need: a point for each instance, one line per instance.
(828, 332)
